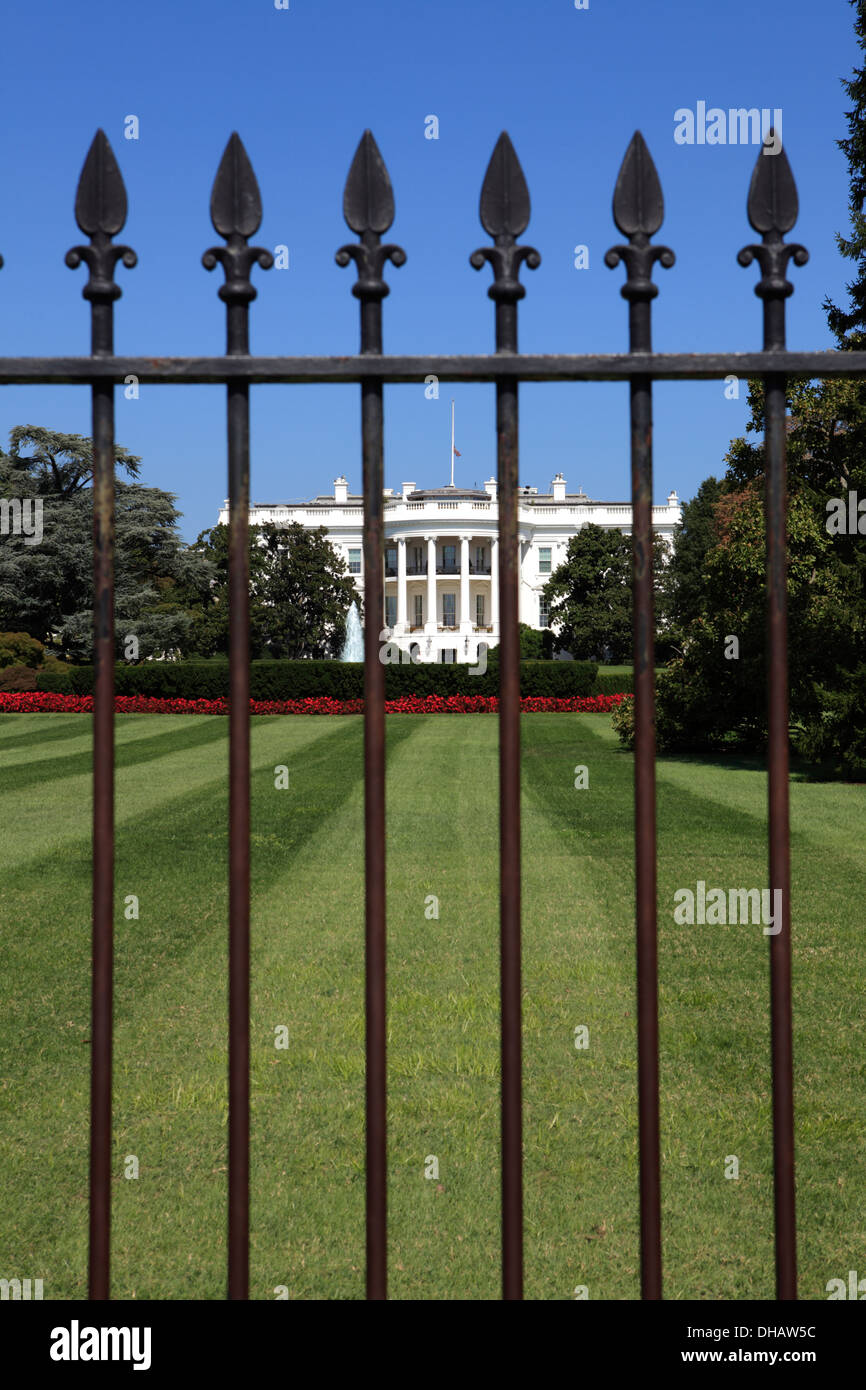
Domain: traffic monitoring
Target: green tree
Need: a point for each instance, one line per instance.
(826, 460)
(693, 538)
(300, 593)
(590, 594)
(309, 592)
(56, 464)
(46, 589)
(714, 694)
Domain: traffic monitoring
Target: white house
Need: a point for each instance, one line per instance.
(441, 554)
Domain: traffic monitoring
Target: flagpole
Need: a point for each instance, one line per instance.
(452, 443)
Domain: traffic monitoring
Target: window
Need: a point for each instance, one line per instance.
(390, 559)
(354, 562)
(449, 610)
(479, 610)
(543, 613)
(480, 557)
(449, 556)
(448, 656)
(419, 610)
(544, 559)
(390, 610)
(417, 558)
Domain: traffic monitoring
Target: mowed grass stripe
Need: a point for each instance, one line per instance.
(50, 821)
(829, 964)
(132, 746)
(580, 1107)
(74, 733)
(308, 1212)
(714, 1004)
(579, 1113)
(33, 732)
(170, 1005)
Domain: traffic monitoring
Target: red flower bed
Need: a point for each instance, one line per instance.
(43, 702)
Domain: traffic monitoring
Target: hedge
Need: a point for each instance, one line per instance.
(611, 683)
(342, 680)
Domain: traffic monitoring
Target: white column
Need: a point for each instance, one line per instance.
(430, 616)
(494, 585)
(465, 618)
(401, 585)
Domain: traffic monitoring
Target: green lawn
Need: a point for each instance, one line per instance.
(580, 1108)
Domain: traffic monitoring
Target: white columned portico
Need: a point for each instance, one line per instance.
(494, 585)
(401, 584)
(430, 615)
(465, 617)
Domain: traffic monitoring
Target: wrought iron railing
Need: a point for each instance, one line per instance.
(368, 208)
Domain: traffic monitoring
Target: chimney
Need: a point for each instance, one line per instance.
(341, 489)
(557, 487)
(407, 488)
(490, 485)
(673, 500)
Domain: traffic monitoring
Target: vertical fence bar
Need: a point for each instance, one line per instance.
(638, 210)
(374, 837)
(645, 837)
(236, 213)
(772, 208)
(781, 1023)
(505, 210)
(509, 840)
(238, 423)
(100, 211)
(368, 208)
(102, 990)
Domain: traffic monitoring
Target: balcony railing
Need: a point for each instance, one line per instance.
(415, 570)
(447, 567)
(478, 569)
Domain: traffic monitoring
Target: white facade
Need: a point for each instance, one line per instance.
(441, 554)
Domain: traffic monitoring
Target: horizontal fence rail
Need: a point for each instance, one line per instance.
(368, 208)
(400, 370)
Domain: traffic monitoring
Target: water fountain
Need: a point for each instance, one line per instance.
(353, 646)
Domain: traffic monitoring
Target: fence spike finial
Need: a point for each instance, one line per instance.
(368, 209)
(504, 212)
(505, 206)
(368, 198)
(236, 213)
(100, 212)
(235, 200)
(638, 211)
(772, 209)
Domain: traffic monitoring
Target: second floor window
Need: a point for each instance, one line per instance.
(449, 556)
(391, 559)
(354, 562)
(544, 559)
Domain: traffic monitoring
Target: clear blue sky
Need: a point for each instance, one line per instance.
(300, 85)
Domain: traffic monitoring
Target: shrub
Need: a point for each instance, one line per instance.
(59, 682)
(17, 678)
(340, 680)
(20, 649)
(613, 683)
(622, 719)
(836, 736)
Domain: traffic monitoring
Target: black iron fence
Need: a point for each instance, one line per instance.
(368, 207)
